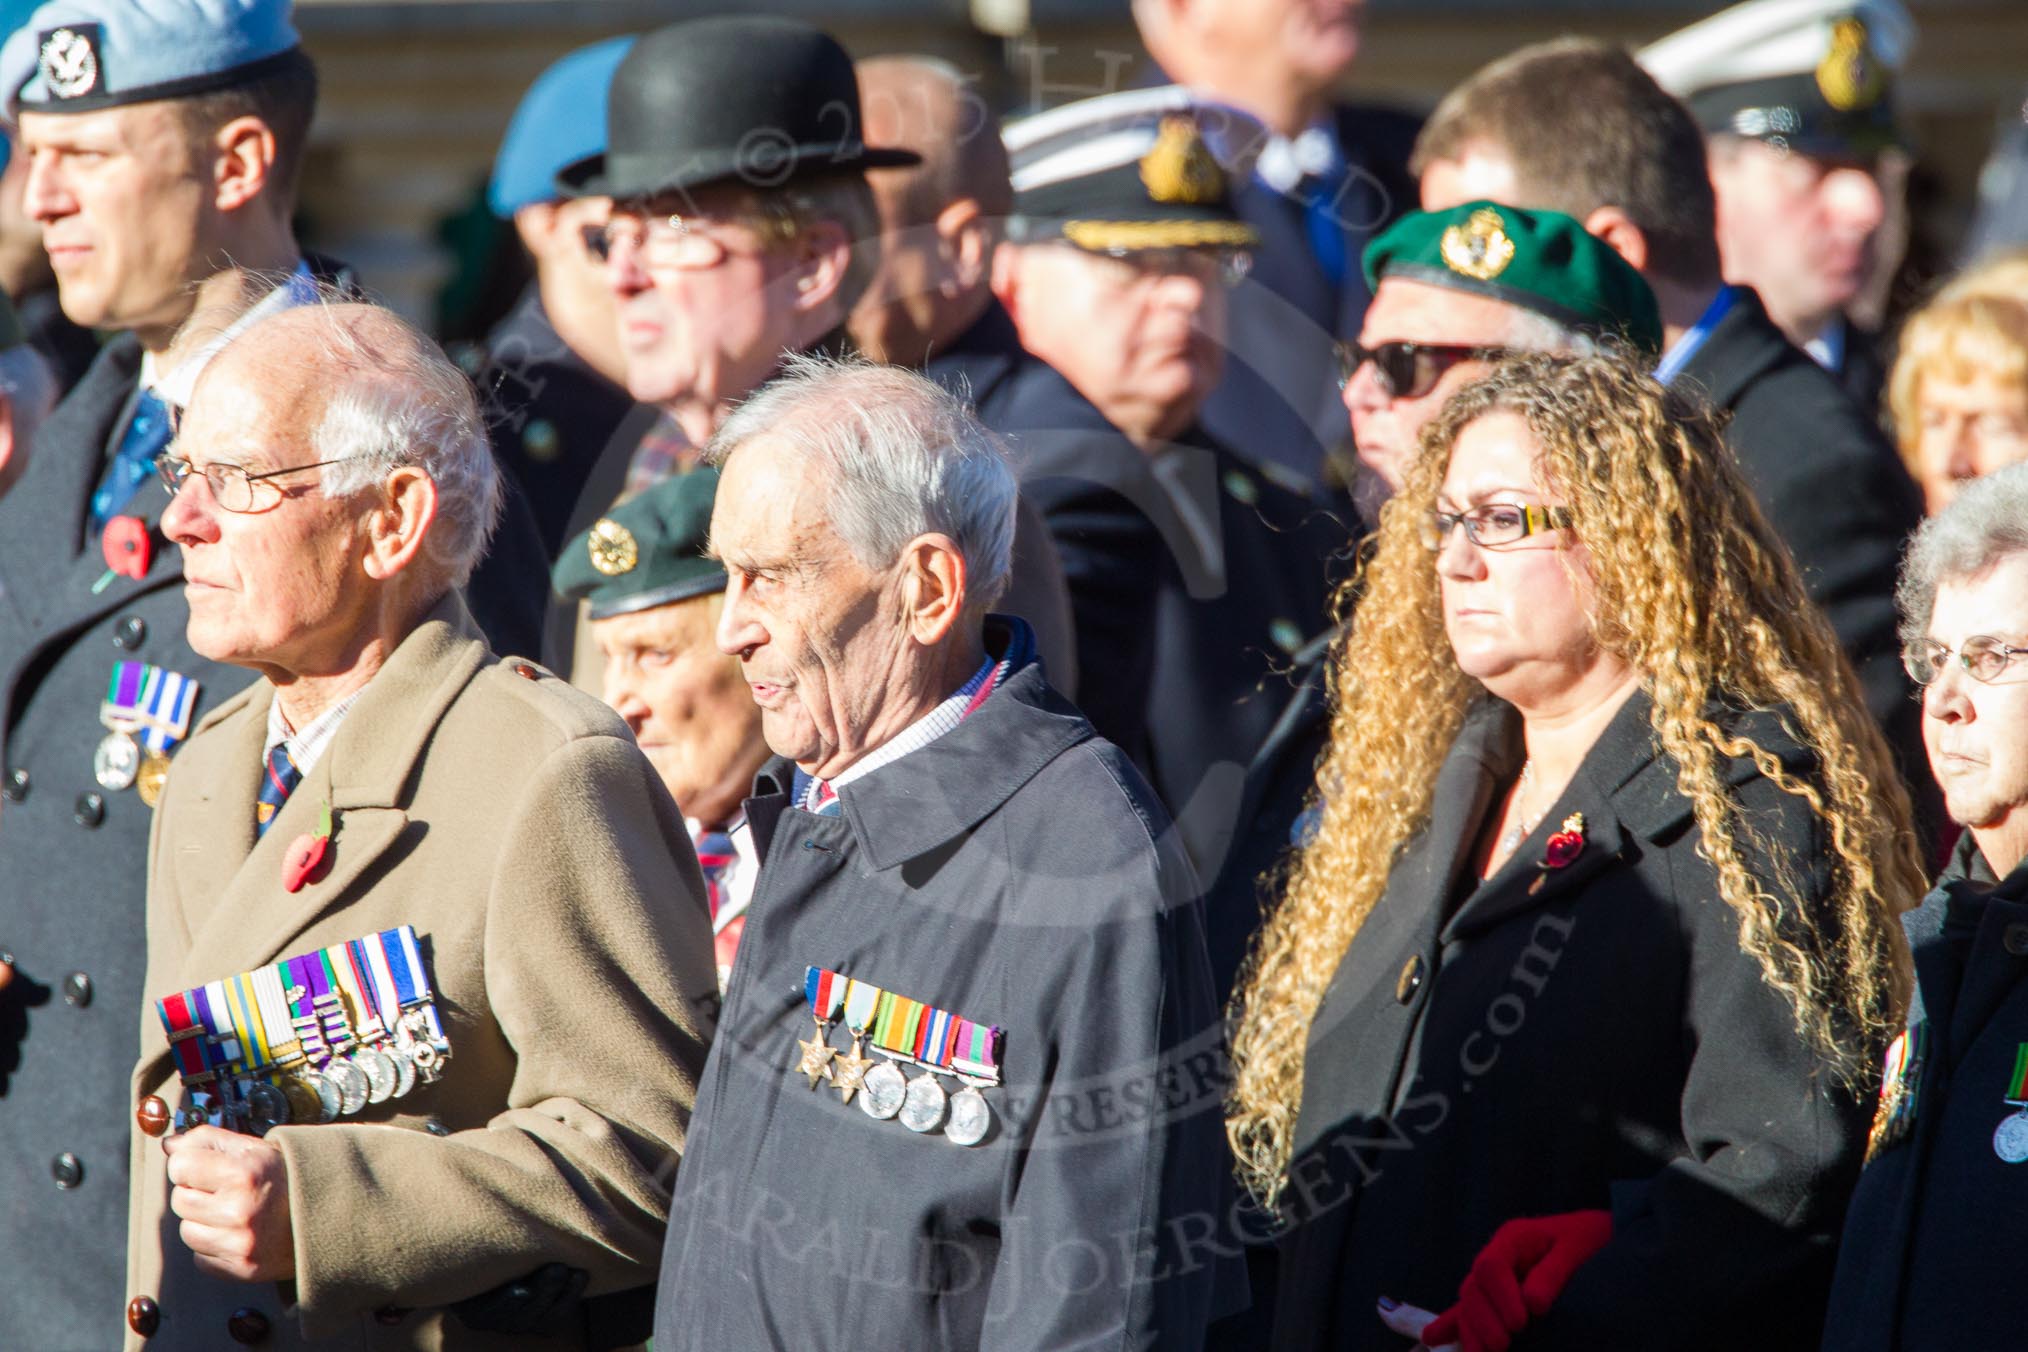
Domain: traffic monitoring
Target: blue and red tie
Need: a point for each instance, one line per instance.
(278, 780)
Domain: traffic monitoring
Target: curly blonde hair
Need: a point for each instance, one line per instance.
(1694, 592)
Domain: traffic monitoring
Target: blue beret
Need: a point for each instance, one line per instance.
(561, 120)
(75, 56)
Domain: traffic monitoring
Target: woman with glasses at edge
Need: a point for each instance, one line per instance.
(1567, 1016)
(1937, 1219)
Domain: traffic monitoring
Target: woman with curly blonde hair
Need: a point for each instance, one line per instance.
(1592, 947)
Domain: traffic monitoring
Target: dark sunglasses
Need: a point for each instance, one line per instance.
(1409, 370)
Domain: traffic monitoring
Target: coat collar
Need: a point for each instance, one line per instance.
(937, 793)
(1625, 788)
(1745, 344)
(365, 775)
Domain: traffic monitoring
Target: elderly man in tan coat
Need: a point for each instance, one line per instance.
(333, 487)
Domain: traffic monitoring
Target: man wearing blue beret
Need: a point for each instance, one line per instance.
(554, 377)
(163, 141)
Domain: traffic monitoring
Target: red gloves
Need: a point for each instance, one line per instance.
(1517, 1277)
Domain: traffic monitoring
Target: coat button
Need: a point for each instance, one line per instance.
(436, 1128)
(66, 1170)
(247, 1326)
(1410, 981)
(144, 1316)
(2015, 939)
(16, 786)
(89, 810)
(526, 672)
(77, 990)
(152, 1116)
(130, 633)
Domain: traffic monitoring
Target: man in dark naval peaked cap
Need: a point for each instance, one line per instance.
(1120, 251)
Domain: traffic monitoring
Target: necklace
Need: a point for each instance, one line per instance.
(1511, 838)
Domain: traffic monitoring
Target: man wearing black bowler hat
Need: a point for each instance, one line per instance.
(742, 227)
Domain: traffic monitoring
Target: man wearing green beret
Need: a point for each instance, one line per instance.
(654, 598)
(1456, 290)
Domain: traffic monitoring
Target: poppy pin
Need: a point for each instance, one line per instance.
(1566, 844)
(307, 853)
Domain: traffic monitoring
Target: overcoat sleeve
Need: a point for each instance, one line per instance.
(1775, 1144)
(594, 932)
(1127, 1150)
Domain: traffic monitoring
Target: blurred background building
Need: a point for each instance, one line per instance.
(417, 93)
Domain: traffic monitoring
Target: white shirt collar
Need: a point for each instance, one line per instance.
(1285, 160)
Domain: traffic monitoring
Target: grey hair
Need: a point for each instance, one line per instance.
(1533, 331)
(908, 457)
(1983, 524)
(403, 404)
(846, 200)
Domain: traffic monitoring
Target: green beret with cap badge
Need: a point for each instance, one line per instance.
(1542, 261)
(647, 551)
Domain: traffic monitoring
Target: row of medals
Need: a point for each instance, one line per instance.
(119, 763)
(365, 1069)
(885, 1093)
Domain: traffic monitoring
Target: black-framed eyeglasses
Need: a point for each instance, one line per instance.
(1494, 524)
(1983, 659)
(1406, 370)
(232, 488)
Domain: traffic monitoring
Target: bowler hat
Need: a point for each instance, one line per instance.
(754, 100)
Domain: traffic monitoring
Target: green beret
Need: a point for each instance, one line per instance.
(1543, 261)
(647, 551)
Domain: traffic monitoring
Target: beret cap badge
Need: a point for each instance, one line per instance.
(1179, 167)
(612, 548)
(1479, 247)
(69, 59)
(1850, 76)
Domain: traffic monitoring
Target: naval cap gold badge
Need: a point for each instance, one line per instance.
(1850, 75)
(1179, 167)
(1480, 247)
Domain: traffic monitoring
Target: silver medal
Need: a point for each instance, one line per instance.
(970, 1117)
(923, 1108)
(2010, 1138)
(267, 1107)
(116, 761)
(883, 1090)
(404, 1071)
(330, 1099)
(380, 1073)
(352, 1086)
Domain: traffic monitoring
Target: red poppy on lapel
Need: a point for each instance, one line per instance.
(1566, 844)
(307, 853)
(127, 546)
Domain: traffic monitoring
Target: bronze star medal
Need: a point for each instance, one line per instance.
(848, 1074)
(817, 1054)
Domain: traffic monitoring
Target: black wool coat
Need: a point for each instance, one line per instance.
(1931, 1258)
(1561, 1039)
(1835, 492)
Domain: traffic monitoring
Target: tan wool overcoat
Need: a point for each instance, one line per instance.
(511, 820)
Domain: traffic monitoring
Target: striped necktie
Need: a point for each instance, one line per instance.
(278, 780)
(824, 802)
(714, 855)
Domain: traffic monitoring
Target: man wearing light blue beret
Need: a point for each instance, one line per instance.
(554, 377)
(163, 139)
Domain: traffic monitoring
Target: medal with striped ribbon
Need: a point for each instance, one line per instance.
(2010, 1138)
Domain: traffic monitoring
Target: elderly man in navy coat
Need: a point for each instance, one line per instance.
(965, 1087)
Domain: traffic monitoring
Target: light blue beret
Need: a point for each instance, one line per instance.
(74, 56)
(561, 120)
